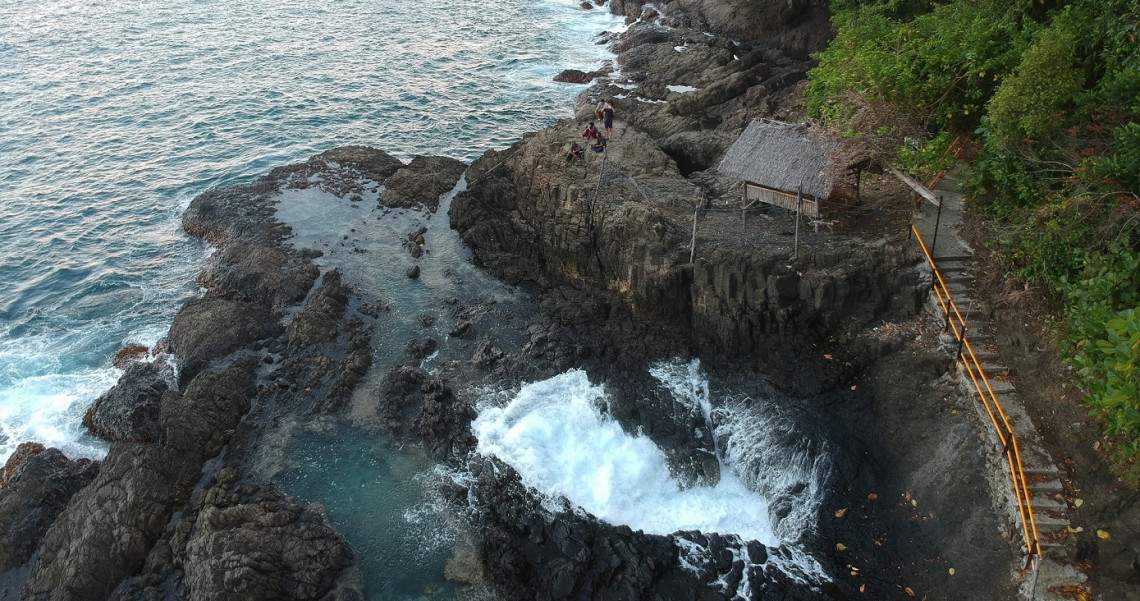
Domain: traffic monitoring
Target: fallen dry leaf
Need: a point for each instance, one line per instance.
(1103, 534)
(872, 496)
(863, 588)
(841, 512)
(1078, 502)
(909, 591)
(840, 547)
(1076, 530)
(951, 571)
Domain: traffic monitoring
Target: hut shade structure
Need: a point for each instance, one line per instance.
(778, 160)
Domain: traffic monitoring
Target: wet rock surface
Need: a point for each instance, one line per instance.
(173, 511)
(129, 410)
(421, 182)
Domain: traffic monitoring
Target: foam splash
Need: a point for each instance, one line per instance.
(554, 433)
(49, 409)
(778, 458)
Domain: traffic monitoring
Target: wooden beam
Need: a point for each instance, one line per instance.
(916, 186)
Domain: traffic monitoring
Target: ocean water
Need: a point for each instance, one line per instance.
(114, 115)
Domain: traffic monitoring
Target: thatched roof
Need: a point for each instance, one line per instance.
(782, 156)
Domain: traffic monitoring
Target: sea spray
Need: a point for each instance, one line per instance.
(776, 456)
(554, 433)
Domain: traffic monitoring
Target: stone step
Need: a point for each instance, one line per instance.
(1054, 550)
(947, 266)
(992, 369)
(981, 353)
(939, 259)
(1048, 504)
(1045, 488)
(957, 277)
(1048, 523)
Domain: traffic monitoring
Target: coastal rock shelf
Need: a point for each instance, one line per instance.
(330, 415)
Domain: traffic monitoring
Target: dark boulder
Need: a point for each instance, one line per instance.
(129, 354)
(444, 424)
(421, 183)
(418, 348)
(575, 76)
(259, 273)
(265, 548)
(37, 485)
(129, 410)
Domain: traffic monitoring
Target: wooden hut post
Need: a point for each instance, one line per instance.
(799, 207)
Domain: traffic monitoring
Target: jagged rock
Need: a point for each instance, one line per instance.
(37, 485)
(129, 354)
(422, 347)
(267, 548)
(317, 321)
(421, 183)
(400, 397)
(487, 356)
(413, 272)
(210, 328)
(444, 423)
(426, 411)
(461, 327)
(110, 525)
(575, 76)
(129, 410)
(798, 26)
(259, 273)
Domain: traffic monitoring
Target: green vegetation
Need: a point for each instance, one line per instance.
(1049, 94)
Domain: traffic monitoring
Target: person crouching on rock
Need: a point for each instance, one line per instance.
(599, 145)
(591, 133)
(576, 151)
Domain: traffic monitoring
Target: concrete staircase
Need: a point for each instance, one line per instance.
(953, 257)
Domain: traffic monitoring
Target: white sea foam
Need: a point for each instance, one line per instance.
(682, 89)
(554, 433)
(49, 409)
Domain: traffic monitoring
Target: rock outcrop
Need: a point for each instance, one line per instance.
(139, 527)
(36, 485)
(534, 220)
(799, 26)
(420, 184)
(129, 410)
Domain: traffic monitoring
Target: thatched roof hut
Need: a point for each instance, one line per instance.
(778, 160)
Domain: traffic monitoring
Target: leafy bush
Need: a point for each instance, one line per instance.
(1032, 101)
(1052, 92)
(1103, 342)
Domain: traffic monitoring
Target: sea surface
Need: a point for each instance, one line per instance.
(115, 114)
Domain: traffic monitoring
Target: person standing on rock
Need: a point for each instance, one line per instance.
(608, 115)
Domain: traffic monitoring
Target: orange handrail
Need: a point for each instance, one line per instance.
(957, 151)
(1012, 451)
